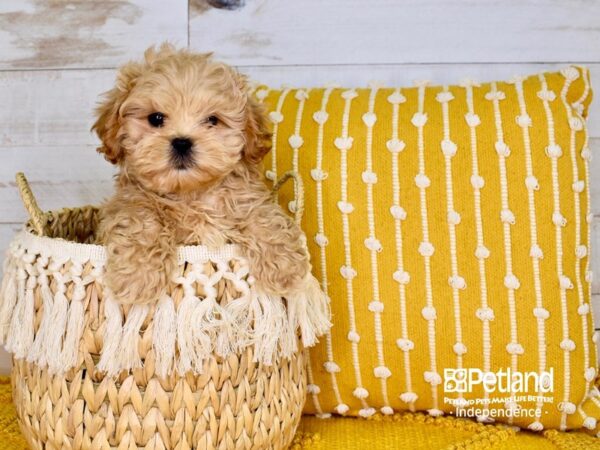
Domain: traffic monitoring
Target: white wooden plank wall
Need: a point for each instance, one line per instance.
(56, 57)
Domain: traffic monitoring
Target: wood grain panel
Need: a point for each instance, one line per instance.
(80, 33)
(273, 32)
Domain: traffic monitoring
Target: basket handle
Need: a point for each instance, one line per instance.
(299, 186)
(38, 217)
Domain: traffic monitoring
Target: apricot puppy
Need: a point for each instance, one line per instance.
(188, 140)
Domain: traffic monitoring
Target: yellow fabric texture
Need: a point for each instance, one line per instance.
(450, 228)
(407, 431)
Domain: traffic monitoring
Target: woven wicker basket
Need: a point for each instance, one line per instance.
(89, 373)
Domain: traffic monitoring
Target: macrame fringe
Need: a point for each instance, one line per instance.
(183, 338)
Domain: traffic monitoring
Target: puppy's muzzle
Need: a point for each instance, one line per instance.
(181, 152)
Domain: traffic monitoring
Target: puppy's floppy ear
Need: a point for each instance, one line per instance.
(109, 120)
(258, 133)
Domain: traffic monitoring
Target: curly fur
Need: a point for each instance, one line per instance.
(220, 197)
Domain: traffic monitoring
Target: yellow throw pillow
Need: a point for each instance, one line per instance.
(450, 227)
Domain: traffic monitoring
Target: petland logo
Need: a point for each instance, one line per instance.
(503, 381)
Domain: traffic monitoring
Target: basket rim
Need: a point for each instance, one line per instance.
(60, 248)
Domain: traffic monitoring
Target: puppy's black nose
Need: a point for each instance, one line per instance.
(182, 146)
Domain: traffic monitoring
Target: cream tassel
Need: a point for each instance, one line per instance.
(112, 334)
(8, 297)
(271, 332)
(129, 354)
(164, 335)
(184, 330)
(20, 336)
(74, 326)
(309, 309)
(58, 320)
(37, 353)
(204, 330)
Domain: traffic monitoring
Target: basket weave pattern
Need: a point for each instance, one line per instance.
(133, 387)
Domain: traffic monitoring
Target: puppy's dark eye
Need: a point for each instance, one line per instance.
(156, 119)
(212, 120)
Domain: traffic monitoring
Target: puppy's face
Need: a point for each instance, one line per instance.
(180, 122)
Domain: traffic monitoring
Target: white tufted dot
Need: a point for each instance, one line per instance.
(369, 177)
(321, 240)
(558, 219)
(401, 276)
(514, 348)
(472, 119)
(541, 313)
(360, 392)
(502, 149)
(590, 374)
(570, 73)
(422, 181)
(482, 252)
(373, 244)
(554, 151)
(590, 423)
(343, 143)
(578, 186)
(349, 94)
(270, 175)
(396, 98)
(301, 94)
(408, 397)
(581, 251)
(507, 216)
(345, 207)
(348, 272)
(495, 95)
(432, 378)
(387, 410)
(419, 119)
(261, 94)
(295, 141)
(342, 409)
(576, 123)
(375, 306)
(382, 372)
(523, 120)
(485, 313)
(457, 282)
(426, 249)
(589, 276)
(331, 367)
(353, 336)
(366, 412)
(444, 97)
(583, 309)
(398, 212)
(459, 348)
(535, 426)
(318, 174)
(586, 154)
(532, 183)
(453, 217)
(511, 281)
(477, 181)
(292, 206)
(565, 282)
(313, 389)
(485, 419)
(395, 145)
(320, 117)
(434, 412)
(429, 313)
(275, 116)
(448, 148)
(536, 252)
(405, 344)
(369, 119)
(567, 345)
(567, 407)
(546, 95)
